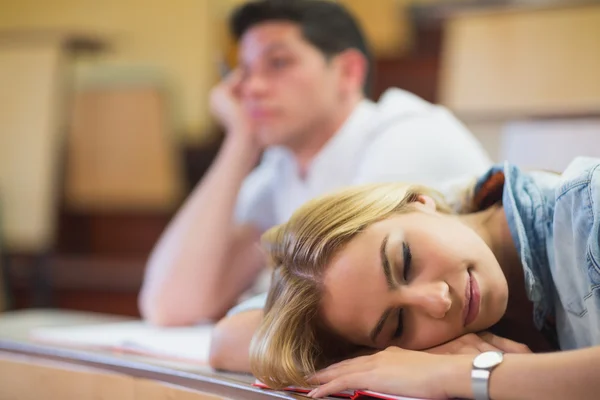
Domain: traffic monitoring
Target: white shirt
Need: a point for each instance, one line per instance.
(401, 138)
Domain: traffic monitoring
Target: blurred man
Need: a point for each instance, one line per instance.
(297, 98)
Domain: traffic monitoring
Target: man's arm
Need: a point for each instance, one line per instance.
(202, 262)
(230, 345)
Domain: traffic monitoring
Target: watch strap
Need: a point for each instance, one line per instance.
(480, 379)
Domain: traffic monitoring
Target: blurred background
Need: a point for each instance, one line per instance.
(104, 122)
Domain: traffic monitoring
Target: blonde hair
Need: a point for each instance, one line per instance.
(292, 342)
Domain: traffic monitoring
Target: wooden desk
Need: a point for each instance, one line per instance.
(30, 370)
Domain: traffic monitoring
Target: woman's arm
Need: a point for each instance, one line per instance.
(231, 339)
(561, 375)
(569, 374)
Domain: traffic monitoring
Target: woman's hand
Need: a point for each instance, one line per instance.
(384, 371)
(478, 343)
(398, 372)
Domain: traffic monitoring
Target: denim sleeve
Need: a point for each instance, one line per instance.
(579, 203)
(255, 303)
(576, 269)
(594, 238)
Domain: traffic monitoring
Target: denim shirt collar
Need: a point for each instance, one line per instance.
(529, 212)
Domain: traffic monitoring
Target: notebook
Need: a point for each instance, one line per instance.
(183, 344)
(347, 394)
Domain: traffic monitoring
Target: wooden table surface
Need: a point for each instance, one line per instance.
(28, 369)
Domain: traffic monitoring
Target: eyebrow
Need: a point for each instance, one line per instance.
(275, 47)
(391, 283)
(271, 48)
(385, 264)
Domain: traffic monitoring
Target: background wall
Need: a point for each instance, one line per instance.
(175, 42)
(171, 41)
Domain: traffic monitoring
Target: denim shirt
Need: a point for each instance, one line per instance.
(554, 221)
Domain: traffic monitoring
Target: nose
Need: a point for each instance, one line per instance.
(254, 84)
(432, 298)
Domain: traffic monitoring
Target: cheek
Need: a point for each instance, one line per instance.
(436, 261)
(296, 95)
(496, 299)
(439, 247)
(310, 87)
(454, 254)
(298, 79)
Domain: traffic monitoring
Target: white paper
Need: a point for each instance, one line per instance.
(180, 343)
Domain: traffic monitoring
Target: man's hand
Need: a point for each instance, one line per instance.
(478, 343)
(225, 103)
(226, 106)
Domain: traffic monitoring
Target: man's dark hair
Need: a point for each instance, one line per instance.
(326, 25)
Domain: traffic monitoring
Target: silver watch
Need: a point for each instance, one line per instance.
(483, 365)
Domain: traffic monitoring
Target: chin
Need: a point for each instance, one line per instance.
(489, 319)
(488, 323)
(271, 137)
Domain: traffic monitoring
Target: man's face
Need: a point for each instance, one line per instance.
(289, 89)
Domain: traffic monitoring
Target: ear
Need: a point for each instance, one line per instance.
(353, 70)
(427, 202)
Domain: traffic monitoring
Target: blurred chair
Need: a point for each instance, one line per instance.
(123, 181)
(522, 62)
(121, 151)
(4, 290)
(526, 75)
(33, 72)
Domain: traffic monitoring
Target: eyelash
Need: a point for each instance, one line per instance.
(407, 260)
(407, 267)
(400, 328)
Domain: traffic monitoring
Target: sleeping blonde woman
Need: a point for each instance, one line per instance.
(393, 267)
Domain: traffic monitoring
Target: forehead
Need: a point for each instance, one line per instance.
(355, 286)
(350, 260)
(269, 35)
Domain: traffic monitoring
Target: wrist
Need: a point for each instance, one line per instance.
(457, 377)
(242, 148)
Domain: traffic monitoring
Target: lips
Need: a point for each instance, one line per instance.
(261, 113)
(472, 300)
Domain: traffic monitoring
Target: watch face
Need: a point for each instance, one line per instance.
(488, 359)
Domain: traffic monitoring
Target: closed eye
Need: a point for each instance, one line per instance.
(280, 62)
(407, 255)
(400, 328)
(407, 264)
